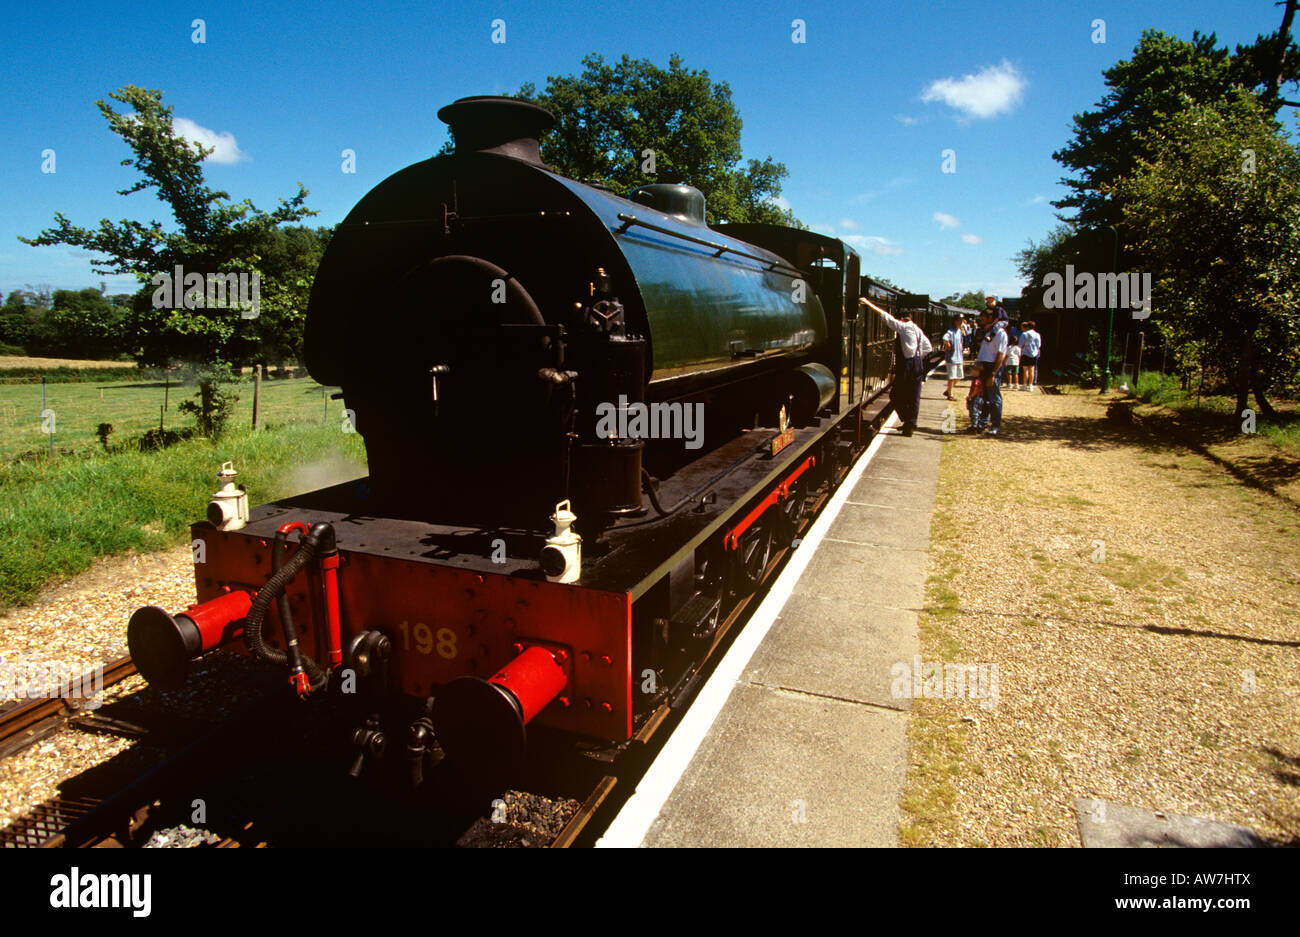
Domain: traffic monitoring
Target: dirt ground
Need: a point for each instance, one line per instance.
(1142, 606)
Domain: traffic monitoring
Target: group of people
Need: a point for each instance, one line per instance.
(1003, 351)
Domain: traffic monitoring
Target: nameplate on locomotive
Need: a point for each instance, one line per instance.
(781, 440)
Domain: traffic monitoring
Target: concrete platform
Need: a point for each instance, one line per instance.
(810, 747)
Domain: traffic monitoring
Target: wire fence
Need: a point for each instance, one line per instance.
(70, 417)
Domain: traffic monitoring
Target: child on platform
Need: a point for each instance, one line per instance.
(975, 399)
(1013, 361)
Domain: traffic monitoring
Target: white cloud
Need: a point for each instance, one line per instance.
(826, 229)
(780, 202)
(946, 220)
(848, 224)
(1037, 200)
(972, 239)
(224, 148)
(871, 244)
(993, 90)
(905, 120)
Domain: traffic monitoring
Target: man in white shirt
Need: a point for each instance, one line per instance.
(909, 371)
(992, 354)
(952, 348)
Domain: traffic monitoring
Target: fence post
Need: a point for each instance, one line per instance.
(43, 415)
(257, 396)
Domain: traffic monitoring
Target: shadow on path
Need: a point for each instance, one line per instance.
(1154, 629)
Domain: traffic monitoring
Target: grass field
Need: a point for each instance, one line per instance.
(1209, 414)
(22, 362)
(133, 407)
(61, 513)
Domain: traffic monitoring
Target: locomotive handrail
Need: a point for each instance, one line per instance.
(629, 220)
(515, 216)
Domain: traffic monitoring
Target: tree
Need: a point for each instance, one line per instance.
(1216, 210)
(1091, 250)
(83, 324)
(212, 236)
(22, 320)
(1165, 75)
(287, 263)
(633, 123)
(971, 300)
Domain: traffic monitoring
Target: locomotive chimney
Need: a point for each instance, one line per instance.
(506, 126)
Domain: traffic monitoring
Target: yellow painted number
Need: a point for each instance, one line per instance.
(423, 638)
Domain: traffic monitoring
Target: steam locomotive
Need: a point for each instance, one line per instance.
(592, 425)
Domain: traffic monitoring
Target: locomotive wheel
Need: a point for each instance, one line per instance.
(752, 554)
(792, 511)
(830, 462)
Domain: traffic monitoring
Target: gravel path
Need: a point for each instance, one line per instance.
(76, 625)
(82, 622)
(1143, 611)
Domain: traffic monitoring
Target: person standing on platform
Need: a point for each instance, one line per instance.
(1000, 321)
(1031, 345)
(910, 349)
(952, 346)
(993, 353)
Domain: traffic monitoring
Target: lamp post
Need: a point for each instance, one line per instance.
(1110, 319)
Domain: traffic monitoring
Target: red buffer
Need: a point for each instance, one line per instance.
(163, 645)
(485, 719)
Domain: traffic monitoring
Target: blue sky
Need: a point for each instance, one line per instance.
(861, 112)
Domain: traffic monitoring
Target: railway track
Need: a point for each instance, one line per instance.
(25, 723)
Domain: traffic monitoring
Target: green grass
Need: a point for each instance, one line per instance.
(59, 514)
(936, 760)
(1282, 430)
(1154, 387)
(133, 407)
(1133, 572)
(127, 372)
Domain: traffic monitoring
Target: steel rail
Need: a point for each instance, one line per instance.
(27, 723)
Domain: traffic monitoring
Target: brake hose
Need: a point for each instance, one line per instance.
(302, 669)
